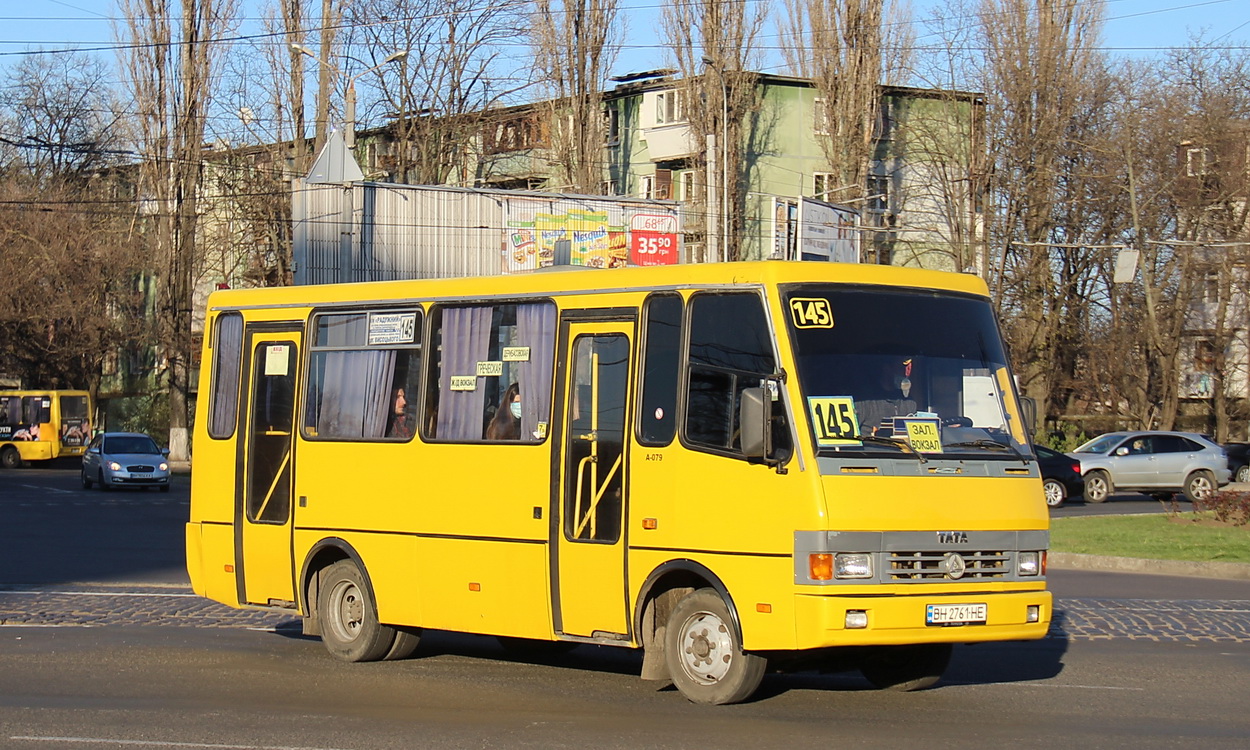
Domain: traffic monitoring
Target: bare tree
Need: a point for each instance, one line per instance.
(457, 67)
(169, 61)
(845, 47)
(1039, 65)
(714, 44)
(70, 298)
(573, 51)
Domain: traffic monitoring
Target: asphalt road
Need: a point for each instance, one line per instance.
(101, 647)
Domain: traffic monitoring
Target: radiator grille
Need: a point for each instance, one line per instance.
(932, 566)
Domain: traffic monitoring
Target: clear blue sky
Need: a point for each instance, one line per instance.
(1136, 27)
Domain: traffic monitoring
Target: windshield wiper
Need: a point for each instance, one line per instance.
(902, 445)
(983, 443)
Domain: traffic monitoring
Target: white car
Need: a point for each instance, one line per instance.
(125, 459)
(1153, 462)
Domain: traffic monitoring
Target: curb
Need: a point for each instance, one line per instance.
(1074, 561)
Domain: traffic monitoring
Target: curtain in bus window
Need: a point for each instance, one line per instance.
(228, 352)
(536, 326)
(466, 341)
(355, 394)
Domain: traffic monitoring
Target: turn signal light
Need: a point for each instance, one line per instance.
(820, 566)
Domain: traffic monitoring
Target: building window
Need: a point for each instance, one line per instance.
(611, 126)
(1209, 286)
(820, 117)
(878, 193)
(686, 182)
(883, 128)
(646, 187)
(1197, 162)
(823, 187)
(668, 107)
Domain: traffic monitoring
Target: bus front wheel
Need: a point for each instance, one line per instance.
(704, 652)
(349, 617)
(10, 458)
(906, 668)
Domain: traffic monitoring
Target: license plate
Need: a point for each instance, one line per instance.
(140, 476)
(954, 614)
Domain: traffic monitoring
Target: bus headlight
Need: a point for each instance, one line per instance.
(1029, 563)
(852, 565)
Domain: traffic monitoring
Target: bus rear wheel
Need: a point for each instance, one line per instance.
(10, 458)
(906, 668)
(704, 652)
(349, 617)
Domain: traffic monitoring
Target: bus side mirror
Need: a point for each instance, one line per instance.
(1028, 408)
(753, 422)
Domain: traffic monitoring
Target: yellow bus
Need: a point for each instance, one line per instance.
(723, 465)
(40, 425)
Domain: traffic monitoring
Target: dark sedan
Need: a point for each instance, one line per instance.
(1238, 460)
(1061, 476)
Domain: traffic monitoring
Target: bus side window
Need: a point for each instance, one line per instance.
(480, 352)
(661, 370)
(227, 358)
(363, 376)
(730, 349)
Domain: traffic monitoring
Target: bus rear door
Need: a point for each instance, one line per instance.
(263, 513)
(588, 543)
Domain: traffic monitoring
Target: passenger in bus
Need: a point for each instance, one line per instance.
(506, 424)
(889, 398)
(400, 426)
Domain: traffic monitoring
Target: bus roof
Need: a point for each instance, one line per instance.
(579, 280)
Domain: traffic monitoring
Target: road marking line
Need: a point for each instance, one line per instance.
(154, 743)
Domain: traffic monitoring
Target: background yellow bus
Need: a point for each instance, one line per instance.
(723, 465)
(42, 425)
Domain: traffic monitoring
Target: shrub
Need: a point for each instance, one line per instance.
(1228, 506)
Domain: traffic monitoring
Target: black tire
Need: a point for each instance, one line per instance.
(1199, 486)
(104, 487)
(1098, 486)
(907, 668)
(405, 645)
(86, 480)
(704, 653)
(1055, 493)
(164, 488)
(348, 616)
(1242, 474)
(10, 458)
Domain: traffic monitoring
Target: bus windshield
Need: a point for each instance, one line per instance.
(903, 371)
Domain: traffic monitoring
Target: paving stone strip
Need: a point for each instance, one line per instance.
(1220, 621)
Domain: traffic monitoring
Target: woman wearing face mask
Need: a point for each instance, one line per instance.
(506, 424)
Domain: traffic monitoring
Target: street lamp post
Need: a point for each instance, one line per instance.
(349, 97)
(724, 157)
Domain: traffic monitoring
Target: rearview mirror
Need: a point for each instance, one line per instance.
(753, 422)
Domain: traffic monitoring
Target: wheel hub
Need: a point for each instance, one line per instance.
(706, 648)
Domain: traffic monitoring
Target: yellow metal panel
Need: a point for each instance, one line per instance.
(933, 503)
(900, 619)
(478, 586)
(217, 563)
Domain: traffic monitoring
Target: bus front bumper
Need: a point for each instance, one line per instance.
(826, 620)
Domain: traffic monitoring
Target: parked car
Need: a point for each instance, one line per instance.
(1061, 475)
(125, 459)
(1238, 460)
(1153, 462)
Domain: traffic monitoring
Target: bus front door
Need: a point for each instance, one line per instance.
(263, 519)
(589, 545)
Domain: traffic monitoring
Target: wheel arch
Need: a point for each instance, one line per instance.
(658, 595)
(322, 555)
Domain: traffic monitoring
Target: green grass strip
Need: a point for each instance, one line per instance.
(1155, 537)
